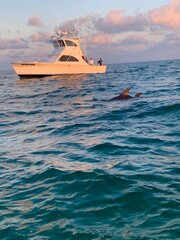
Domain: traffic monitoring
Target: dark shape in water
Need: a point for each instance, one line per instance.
(125, 95)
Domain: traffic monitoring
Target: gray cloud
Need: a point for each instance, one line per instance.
(16, 43)
(34, 21)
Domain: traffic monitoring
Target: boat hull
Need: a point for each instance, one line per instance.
(37, 69)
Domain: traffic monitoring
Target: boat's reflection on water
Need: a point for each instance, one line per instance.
(65, 79)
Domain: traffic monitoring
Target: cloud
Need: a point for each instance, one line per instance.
(67, 25)
(141, 31)
(116, 22)
(34, 21)
(116, 36)
(99, 39)
(16, 43)
(167, 16)
(138, 42)
(40, 37)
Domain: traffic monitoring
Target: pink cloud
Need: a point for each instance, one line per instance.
(115, 17)
(114, 34)
(40, 37)
(34, 21)
(99, 39)
(168, 16)
(73, 24)
(117, 22)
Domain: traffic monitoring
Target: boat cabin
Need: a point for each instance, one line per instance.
(67, 49)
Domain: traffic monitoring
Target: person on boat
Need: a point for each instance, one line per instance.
(91, 62)
(99, 61)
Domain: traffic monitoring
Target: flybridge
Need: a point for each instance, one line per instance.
(63, 43)
(60, 34)
(65, 38)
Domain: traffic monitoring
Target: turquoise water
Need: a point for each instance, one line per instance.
(74, 165)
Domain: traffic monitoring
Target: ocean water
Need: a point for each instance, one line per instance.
(75, 165)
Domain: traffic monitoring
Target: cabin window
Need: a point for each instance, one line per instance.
(58, 43)
(61, 43)
(70, 43)
(67, 58)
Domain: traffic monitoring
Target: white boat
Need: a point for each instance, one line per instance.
(67, 58)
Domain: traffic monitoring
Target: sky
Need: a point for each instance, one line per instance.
(116, 30)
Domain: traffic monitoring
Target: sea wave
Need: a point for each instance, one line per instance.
(75, 165)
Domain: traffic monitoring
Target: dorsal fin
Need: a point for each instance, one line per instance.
(126, 91)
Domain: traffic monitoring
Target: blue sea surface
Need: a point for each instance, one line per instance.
(75, 165)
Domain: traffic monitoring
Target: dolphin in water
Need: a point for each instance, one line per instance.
(125, 95)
